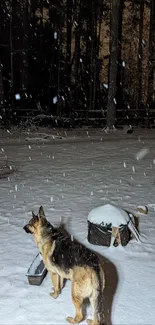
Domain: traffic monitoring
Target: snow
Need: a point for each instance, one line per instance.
(115, 102)
(141, 209)
(142, 153)
(17, 96)
(55, 35)
(107, 214)
(55, 99)
(90, 165)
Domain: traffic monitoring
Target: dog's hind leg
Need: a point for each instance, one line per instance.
(77, 301)
(94, 304)
(78, 295)
(96, 299)
(81, 289)
(56, 285)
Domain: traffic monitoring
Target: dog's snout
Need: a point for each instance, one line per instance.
(26, 228)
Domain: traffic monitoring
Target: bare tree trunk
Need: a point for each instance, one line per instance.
(120, 67)
(140, 53)
(91, 59)
(77, 52)
(151, 73)
(111, 108)
(58, 76)
(69, 36)
(24, 69)
(41, 24)
(77, 40)
(32, 10)
(2, 101)
(95, 60)
(11, 60)
(68, 51)
(98, 46)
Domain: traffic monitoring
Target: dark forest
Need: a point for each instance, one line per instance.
(75, 62)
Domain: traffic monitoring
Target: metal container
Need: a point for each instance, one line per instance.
(37, 271)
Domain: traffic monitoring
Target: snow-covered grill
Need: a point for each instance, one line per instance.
(109, 225)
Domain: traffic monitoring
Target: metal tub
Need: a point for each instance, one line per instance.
(37, 271)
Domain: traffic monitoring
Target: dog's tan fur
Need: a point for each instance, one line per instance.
(86, 281)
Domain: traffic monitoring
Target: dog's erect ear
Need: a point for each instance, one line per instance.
(41, 212)
(33, 215)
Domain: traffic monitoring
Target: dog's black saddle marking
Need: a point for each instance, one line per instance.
(69, 253)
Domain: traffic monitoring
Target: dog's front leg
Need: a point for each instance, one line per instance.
(61, 282)
(56, 285)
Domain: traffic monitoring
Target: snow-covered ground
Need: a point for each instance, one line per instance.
(69, 177)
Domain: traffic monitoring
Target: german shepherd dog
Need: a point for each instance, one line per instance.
(65, 258)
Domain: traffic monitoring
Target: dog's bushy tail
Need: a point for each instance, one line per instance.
(100, 297)
(97, 298)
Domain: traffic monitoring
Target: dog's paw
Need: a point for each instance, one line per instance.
(54, 294)
(89, 321)
(92, 322)
(75, 320)
(70, 320)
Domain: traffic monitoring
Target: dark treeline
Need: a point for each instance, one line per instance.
(78, 60)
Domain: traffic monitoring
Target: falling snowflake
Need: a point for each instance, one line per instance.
(17, 97)
(115, 102)
(142, 153)
(55, 35)
(55, 99)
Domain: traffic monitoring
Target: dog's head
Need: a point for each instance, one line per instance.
(36, 222)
